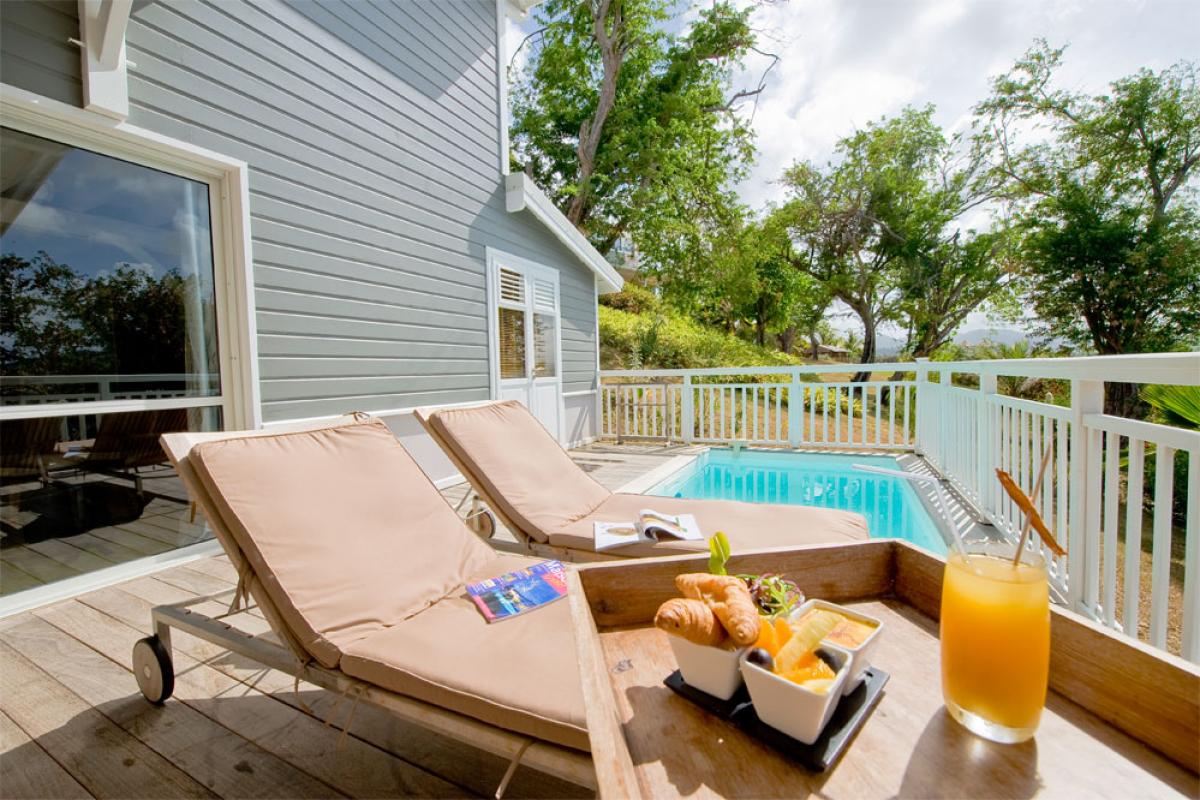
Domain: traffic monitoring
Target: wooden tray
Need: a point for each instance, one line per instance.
(1122, 719)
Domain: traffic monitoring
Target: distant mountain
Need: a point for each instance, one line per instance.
(887, 346)
(1005, 336)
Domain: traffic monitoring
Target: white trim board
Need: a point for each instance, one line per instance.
(118, 573)
(229, 201)
(520, 194)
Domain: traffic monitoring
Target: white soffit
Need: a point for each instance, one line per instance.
(522, 195)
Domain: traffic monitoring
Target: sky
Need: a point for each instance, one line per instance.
(844, 63)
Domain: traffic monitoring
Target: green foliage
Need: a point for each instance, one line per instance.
(622, 118)
(718, 553)
(633, 297)
(667, 340)
(1178, 405)
(877, 228)
(1111, 252)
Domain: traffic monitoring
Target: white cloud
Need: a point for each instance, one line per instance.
(847, 63)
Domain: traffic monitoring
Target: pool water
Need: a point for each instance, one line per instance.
(890, 504)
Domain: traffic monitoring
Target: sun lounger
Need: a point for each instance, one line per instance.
(550, 504)
(359, 565)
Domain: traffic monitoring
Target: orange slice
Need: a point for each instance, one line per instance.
(767, 639)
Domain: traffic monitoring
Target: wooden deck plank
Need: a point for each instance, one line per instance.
(467, 766)
(27, 771)
(227, 764)
(197, 583)
(358, 768)
(104, 759)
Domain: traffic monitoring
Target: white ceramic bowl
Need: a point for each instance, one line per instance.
(710, 669)
(860, 657)
(789, 707)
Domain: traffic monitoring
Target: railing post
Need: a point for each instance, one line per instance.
(986, 446)
(795, 410)
(688, 409)
(923, 399)
(1087, 397)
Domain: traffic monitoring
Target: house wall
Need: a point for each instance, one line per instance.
(34, 52)
(371, 131)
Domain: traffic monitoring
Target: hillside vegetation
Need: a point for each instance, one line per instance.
(637, 331)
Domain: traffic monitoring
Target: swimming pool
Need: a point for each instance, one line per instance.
(890, 505)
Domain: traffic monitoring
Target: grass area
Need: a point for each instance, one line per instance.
(1174, 586)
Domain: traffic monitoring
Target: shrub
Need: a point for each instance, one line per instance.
(664, 340)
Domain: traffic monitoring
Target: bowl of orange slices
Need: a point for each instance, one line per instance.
(794, 677)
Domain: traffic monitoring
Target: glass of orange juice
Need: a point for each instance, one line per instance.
(995, 634)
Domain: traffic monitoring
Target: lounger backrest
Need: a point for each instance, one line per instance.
(178, 447)
(517, 465)
(344, 531)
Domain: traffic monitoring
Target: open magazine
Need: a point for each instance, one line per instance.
(650, 526)
(514, 593)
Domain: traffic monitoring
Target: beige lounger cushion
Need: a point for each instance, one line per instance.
(520, 674)
(362, 541)
(748, 525)
(518, 465)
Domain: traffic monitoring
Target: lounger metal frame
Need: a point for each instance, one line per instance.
(562, 762)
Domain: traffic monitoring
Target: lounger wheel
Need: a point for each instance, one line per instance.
(483, 523)
(153, 669)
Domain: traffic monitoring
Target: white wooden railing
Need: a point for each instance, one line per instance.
(1099, 467)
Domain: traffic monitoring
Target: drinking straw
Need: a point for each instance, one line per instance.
(1033, 498)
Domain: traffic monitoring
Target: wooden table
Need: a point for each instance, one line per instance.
(1122, 720)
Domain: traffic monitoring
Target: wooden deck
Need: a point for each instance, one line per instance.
(73, 724)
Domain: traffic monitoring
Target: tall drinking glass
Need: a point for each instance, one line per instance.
(995, 636)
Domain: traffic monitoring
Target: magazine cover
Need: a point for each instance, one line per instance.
(514, 593)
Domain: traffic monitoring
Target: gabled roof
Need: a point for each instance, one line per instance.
(520, 194)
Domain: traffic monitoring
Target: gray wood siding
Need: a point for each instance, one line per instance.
(34, 52)
(371, 131)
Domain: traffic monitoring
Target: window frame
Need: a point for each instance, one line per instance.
(229, 213)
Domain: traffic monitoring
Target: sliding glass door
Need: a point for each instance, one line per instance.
(108, 338)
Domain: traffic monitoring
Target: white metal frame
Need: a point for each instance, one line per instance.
(530, 271)
(228, 181)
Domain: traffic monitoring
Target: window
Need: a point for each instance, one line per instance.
(107, 288)
(108, 339)
(512, 343)
(545, 346)
(527, 332)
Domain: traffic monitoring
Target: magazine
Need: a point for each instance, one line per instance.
(650, 526)
(514, 593)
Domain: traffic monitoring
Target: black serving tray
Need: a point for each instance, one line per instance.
(849, 715)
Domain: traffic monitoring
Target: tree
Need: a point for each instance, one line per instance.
(633, 129)
(944, 282)
(1111, 251)
(877, 229)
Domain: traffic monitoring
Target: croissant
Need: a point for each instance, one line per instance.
(691, 619)
(729, 599)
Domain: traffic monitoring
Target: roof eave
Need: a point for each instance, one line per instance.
(520, 194)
